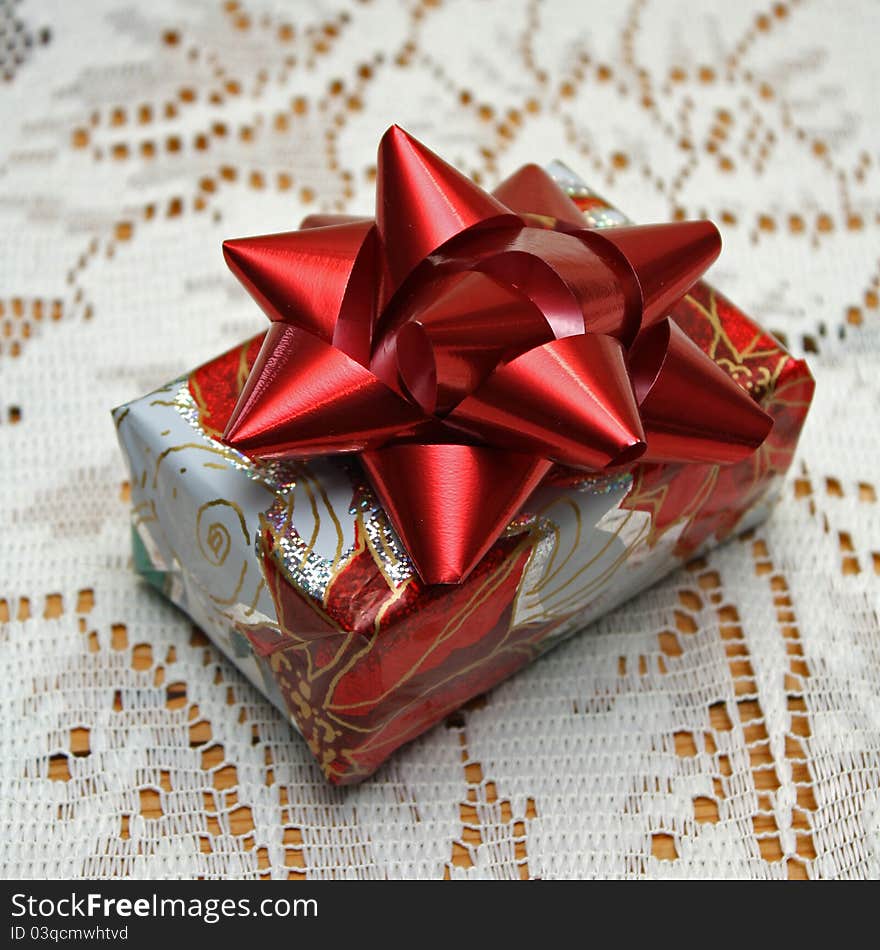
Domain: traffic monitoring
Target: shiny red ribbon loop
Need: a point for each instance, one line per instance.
(464, 342)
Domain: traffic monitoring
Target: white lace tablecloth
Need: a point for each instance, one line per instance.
(726, 723)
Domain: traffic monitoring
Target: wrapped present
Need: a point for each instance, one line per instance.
(474, 425)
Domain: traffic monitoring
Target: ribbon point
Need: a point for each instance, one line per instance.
(570, 400)
(530, 190)
(666, 259)
(422, 201)
(305, 397)
(302, 277)
(449, 503)
(692, 410)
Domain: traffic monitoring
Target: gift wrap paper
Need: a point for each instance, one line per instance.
(722, 723)
(294, 570)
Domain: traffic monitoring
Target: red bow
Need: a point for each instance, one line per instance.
(464, 342)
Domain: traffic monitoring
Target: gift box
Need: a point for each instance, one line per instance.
(369, 572)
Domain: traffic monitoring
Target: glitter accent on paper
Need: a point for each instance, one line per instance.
(386, 547)
(605, 484)
(382, 539)
(308, 570)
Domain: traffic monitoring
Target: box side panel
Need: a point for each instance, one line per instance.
(195, 518)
